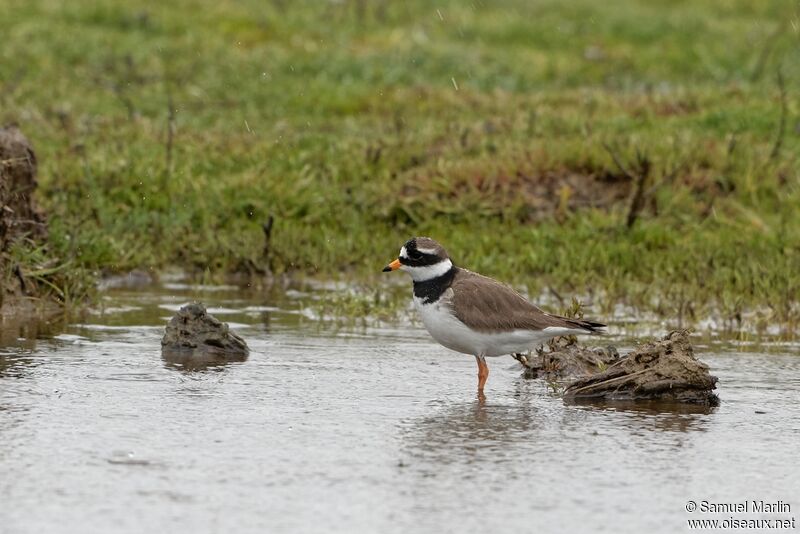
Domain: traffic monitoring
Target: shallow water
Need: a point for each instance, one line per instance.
(376, 430)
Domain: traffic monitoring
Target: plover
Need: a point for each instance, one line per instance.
(475, 314)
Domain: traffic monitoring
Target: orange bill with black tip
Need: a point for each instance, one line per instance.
(392, 266)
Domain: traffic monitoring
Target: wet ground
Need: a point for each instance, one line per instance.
(368, 430)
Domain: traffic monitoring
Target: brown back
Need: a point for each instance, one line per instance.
(486, 305)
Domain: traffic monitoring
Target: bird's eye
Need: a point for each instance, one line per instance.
(415, 254)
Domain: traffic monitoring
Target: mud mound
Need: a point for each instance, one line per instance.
(20, 219)
(665, 370)
(194, 339)
(19, 216)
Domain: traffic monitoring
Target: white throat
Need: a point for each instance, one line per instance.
(428, 272)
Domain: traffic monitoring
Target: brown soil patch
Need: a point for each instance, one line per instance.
(573, 189)
(529, 194)
(20, 218)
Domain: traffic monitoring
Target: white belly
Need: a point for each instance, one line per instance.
(455, 335)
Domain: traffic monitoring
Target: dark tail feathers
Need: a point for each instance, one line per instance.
(589, 326)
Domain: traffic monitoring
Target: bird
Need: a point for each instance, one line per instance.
(474, 314)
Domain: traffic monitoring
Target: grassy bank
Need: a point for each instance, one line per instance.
(515, 132)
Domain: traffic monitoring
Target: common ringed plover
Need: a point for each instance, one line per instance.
(475, 314)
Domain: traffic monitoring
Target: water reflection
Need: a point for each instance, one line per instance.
(22, 332)
(12, 364)
(192, 361)
(18, 337)
(462, 431)
(652, 415)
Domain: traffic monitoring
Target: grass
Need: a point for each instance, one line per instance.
(168, 133)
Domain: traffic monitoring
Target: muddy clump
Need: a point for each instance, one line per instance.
(664, 370)
(195, 340)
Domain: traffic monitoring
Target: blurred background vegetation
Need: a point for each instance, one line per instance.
(638, 151)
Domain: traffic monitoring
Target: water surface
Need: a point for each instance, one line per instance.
(372, 430)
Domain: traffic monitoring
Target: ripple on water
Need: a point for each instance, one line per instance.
(376, 430)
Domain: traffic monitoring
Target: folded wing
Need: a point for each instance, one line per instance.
(485, 305)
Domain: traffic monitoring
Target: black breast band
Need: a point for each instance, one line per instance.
(430, 290)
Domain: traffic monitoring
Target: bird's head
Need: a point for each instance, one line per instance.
(422, 258)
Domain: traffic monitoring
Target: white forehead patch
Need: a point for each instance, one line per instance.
(403, 252)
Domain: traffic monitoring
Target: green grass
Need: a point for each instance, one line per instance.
(360, 123)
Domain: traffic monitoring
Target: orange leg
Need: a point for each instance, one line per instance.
(483, 373)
